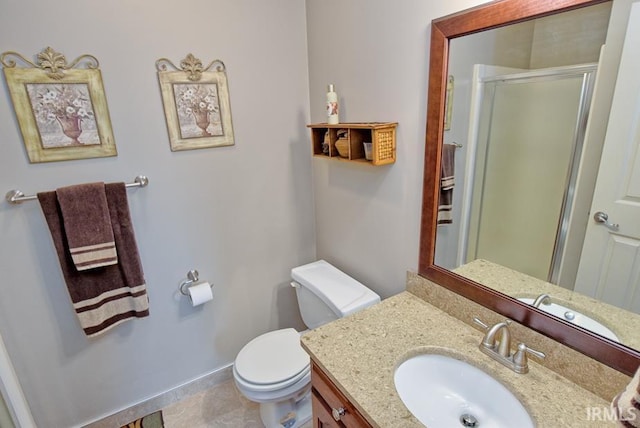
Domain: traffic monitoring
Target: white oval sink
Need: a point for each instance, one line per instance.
(444, 392)
(574, 317)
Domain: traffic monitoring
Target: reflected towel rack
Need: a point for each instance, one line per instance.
(17, 197)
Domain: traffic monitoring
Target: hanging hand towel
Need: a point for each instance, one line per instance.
(445, 201)
(110, 295)
(87, 225)
(626, 405)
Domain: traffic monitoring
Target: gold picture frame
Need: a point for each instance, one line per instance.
(196, 103)
(61, 110)
(448, 103)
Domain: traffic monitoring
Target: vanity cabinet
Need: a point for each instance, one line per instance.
(350, 146)
(330, 407)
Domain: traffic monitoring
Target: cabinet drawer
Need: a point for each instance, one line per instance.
(322, 417)
(335, 400)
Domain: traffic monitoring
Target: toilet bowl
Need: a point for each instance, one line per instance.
(273, 369)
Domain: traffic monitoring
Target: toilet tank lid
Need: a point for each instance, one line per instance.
(342, 293)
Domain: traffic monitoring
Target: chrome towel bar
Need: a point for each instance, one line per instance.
(17, 197)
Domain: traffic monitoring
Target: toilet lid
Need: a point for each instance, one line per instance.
(272, 357)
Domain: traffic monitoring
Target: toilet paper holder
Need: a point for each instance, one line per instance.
(192, 278)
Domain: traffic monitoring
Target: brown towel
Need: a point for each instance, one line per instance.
(87, 225)
(106, 296)
(445, 202)
(626, 405)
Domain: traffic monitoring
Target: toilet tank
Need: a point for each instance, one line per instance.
(325, 293)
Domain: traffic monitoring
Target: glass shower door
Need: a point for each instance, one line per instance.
(524, 160)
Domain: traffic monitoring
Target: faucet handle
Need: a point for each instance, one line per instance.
(480, 323)
(485, 326)
(520, 362)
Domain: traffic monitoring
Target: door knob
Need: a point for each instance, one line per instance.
(603, 219)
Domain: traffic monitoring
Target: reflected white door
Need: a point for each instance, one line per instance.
(610, 263)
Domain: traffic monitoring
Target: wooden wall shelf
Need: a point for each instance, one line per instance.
(382, 135)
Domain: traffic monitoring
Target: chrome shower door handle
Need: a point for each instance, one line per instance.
(603, 219)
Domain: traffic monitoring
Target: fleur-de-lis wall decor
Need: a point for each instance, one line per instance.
(51, 62)
(61, 107)
(196, 103)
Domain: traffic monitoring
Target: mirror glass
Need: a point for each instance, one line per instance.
(524, 123)
(516, 126)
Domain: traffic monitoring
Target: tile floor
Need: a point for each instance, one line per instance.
(217, 407)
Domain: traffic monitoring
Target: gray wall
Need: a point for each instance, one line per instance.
(377, 55)
(489, 47)
(241, 215)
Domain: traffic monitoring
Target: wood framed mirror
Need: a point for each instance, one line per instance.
(486, 17)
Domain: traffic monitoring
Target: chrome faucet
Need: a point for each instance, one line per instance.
(543, 299)
(496, 343)
(503, 347)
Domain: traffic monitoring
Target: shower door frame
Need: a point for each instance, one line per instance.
(511, 76)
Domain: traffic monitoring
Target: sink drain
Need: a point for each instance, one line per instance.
(468, 420)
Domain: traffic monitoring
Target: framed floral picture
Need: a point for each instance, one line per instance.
(196, 103)
(61, 110)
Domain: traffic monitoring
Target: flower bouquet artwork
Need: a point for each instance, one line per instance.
(61, 110)
(196, 103)
(63, 114)
(198, 110)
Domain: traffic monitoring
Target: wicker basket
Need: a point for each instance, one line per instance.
(342, 145)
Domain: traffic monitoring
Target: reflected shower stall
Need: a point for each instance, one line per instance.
(525, 149)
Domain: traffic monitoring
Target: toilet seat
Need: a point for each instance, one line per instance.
(302, 378)
(272, 361)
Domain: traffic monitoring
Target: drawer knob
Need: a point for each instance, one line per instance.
(338, 413)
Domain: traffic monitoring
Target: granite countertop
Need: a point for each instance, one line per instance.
(361, 352)
(623, 323)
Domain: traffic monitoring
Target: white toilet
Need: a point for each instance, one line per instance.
(273, 369)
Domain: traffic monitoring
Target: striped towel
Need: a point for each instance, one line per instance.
(109, 295)
(626, 405)
(447, 181)
(87, 225)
